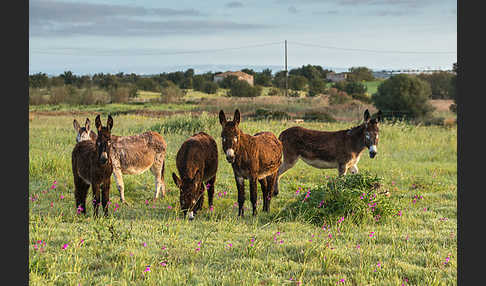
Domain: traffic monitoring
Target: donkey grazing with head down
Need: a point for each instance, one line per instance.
(92, 165)
(327, 150)
(254, 158)
(197, 163)
(133, 155)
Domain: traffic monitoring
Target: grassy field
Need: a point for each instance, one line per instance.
(149, 243)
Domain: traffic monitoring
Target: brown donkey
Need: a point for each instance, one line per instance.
(254, 158)
(197, 163)
(133, 155)
(327, 150)
(91, 165)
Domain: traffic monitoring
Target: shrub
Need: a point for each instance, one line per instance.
(210, 87)
(357, 197)
(58, 95)
(318, 116)
(275, 91)
(119, 95)
(262, 113)
(363, 97)
(338, 97)
(36, 97)
(404, 94)
(294, 93)
(244, 89)
(170, 92)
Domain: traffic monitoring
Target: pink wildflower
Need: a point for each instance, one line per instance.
(65, 246)
(163, 263)
(147, 269)
(371, 234)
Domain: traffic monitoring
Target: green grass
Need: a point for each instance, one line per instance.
(416, 164)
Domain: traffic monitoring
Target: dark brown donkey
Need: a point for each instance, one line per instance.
(91, 165)
(327, 150)
(254, 158)
(133, 155)
(197, 163)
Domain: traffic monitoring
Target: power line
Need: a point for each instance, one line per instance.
(372, 51)
(144, 52)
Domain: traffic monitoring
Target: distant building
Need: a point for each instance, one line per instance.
(335, 77)
(239, 74)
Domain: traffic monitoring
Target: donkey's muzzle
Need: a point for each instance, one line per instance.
(230, 155)
(373, 151)
(103, 158)
(372, 154)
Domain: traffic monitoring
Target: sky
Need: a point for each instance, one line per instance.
(147, 37)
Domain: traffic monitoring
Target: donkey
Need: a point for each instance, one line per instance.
(92, 165)
(197, 163)
(256, 157)
(133, 155)
(327, 150)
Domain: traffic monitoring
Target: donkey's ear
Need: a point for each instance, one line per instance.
(236, 117)
(367, 116)
(98, 123)
(76, 125)
(109, 122)
(176, 179)
(87, 124)
(378, 116)
(222, 117)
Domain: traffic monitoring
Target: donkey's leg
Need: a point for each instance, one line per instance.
(200, 200)
(105, 188)
(117, 174)
(240, 185)
(264, 186)
(211, 182)
(158, 171)
(96, 197)
(271, 179)
(253, 194)
(342, 169)
(289, 160)
(80, 193)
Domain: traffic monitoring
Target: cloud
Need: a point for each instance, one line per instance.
(57, 18)
(234, 4)
(329, 12)
(293, 10)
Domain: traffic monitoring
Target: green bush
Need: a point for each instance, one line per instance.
(242, 88)
(275, 91)
(338, 97)
(170, 92)
(318, 116)
(355, 197)
(262, 113)
(210, 87)
(119, 95)
(404, 94)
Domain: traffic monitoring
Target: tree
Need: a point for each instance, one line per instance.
(279, 79)
(263, 78)
(210, 87)
(453, 89)
(228, 81)
(360, 74)
(297, 82)
(249, 71)
(404, 94)
(38, 80)
(316, 87)
(68, 77)
(440, 83)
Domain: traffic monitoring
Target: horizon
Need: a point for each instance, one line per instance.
(150, 37)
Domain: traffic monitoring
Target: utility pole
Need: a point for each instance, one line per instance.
(286, 71)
